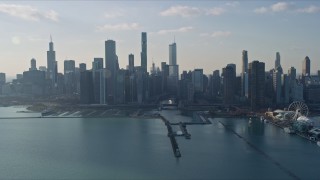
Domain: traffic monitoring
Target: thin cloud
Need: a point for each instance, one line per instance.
(183, 11)
(118, 27)
(280, 6)
(233, 4)
(216, 11)
(28, 13)
(311, 9)
(277, 7)
(218, 34)
(179, 30)
(261, 10)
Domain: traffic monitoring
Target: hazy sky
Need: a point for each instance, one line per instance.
(209, 34)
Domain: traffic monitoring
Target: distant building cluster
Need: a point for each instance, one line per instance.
(107, 83)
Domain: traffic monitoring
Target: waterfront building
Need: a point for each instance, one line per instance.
(144, 51)
(112, 66)
(86, 87)
(70, 84)
(34, 83)
(33, 65)
(306, 66)
(120, 86)
(229, 82)
(216, 84)
(256, 84)
(197, 80)
(100, 86)
(97, 65)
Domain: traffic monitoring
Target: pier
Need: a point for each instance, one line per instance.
(183, 128)
(174, 144)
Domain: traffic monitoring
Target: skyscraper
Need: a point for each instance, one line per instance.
(97, 64)
(277, 61)
(173, 68)
(256, 84)
(244, 74)
(229, 82)
(82, 67)
(52, 69)
(173, 54)
(144, 51)
(70, 76)
(277, 86)
(33, 64)
(292, 73)
(244, 61)
(112, 66)
(131, 63)
(306, 66)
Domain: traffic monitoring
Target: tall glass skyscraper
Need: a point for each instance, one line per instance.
(52, 69)
(173, 54)
(144, 51)
(306, 66)
(112, 67)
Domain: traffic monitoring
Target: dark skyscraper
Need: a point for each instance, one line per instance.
(131, 63)
(244, 74)
(112, 67)
(33, 64)
(256, 84)
(244, 61)
(144, 51)
(306, 66)
(69, 76)
(229, 82)
(52, 69)
(97, 64)
(82, 67)
(277, 61)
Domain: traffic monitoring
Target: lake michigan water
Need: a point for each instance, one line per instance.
(128, 148)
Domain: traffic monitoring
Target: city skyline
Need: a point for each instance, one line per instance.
(236, 26)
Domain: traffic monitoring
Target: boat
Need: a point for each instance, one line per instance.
(288, 130)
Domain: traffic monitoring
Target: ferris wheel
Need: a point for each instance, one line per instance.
(297, 109)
